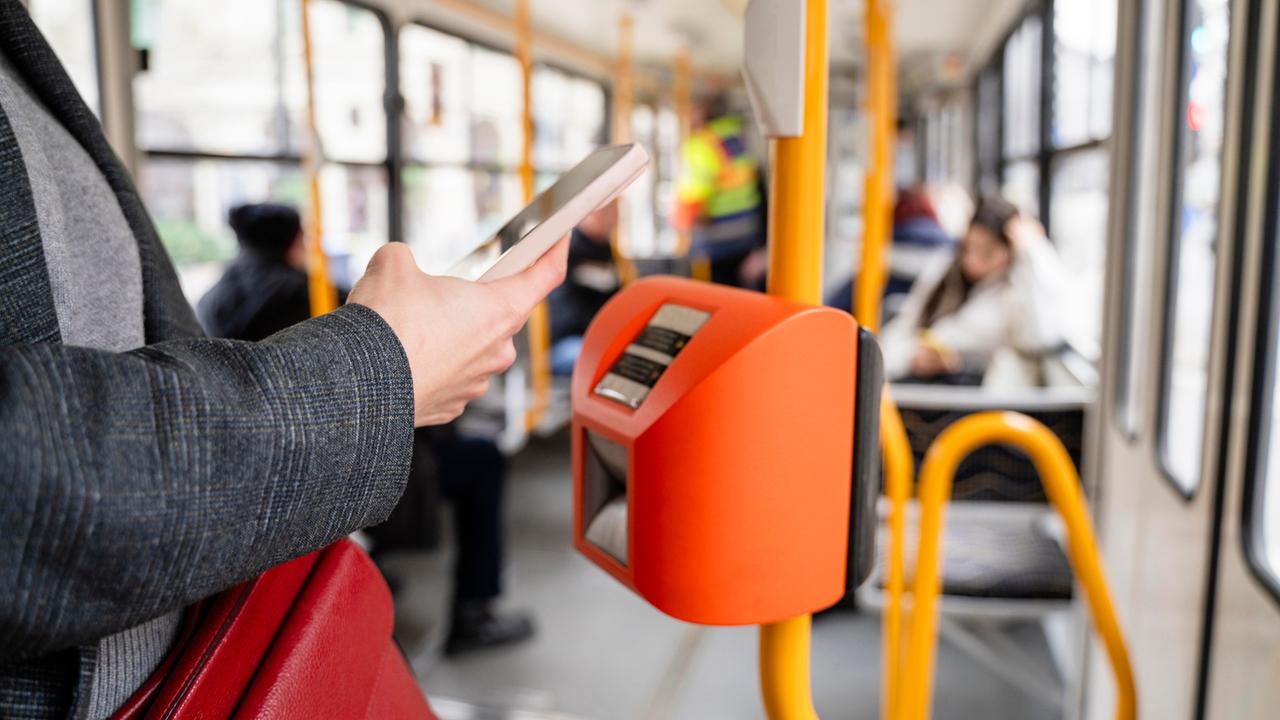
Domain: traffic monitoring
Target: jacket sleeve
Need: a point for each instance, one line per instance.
(136, 483)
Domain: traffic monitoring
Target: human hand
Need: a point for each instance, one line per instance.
(456, 334)
(930, 361)
(1024, 230)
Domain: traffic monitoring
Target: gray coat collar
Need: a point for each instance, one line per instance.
(26, 313)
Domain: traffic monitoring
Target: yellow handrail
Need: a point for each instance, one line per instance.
(539, 327)
(1062, 486)
(623, 103)
(797, 197)
(878, 195)
(898, 470)
(323, 295)
(682, 94)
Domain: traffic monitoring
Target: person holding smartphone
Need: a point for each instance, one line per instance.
(144, 466)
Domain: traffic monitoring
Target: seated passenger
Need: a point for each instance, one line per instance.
(989, 315)
(918, 241)
(265, 291)
(592, 279)
(718, 196)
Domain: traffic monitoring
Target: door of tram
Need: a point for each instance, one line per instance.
(1243, 658)
(1166, 357)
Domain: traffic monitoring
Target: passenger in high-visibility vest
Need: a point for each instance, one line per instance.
(719, 199)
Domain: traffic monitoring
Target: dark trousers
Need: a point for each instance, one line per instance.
(472, 476)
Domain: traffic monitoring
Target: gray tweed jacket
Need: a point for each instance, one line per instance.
(134, 484)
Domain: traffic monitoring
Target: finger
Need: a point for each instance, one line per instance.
(527, 288)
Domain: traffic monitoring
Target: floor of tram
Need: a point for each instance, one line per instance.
(601, 652)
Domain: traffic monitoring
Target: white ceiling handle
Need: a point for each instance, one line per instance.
(773, 65)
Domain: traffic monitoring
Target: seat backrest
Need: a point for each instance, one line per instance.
(995, 474)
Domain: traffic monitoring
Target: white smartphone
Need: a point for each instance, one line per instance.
(588, 186)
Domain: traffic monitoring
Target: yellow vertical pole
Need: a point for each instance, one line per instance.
(539, 327)
(322, 293)
(878, 197)
(682, 94)
(897, 486)
(623, 101)
(797, 195)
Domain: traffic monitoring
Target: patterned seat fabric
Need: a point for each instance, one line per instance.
(994, 473)
(1011, 559)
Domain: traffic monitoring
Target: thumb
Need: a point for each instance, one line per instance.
(527, 288)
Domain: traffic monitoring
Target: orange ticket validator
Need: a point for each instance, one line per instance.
(717, 468)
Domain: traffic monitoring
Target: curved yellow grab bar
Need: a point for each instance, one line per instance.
(1062, 485)
(898, 470)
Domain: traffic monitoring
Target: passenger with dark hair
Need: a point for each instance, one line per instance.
(265, 288)
(1000, 292)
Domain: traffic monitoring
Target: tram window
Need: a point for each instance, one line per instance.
(1022, 185)
(220, 122)
(1201, 113)
(568, 118)
(228, 82)
(349, 58)
(1084, 51)
(69, 28)
(462, 138)
(1078, 190)
(1022, 89)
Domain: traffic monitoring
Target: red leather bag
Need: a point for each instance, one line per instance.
(307, 639)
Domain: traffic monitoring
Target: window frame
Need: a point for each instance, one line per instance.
(1265, 374)
(1173, 259)
(1124, 398)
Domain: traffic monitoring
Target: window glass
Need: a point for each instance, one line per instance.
(1022, 185)
(1078, 190)
(225, 89)
(68, 26)
(450, 209)
(568, 118)
(495, 91)
(1022, 89)
(1084, 53)
(226, 82)
(349, 56)
(436, 124)
(1190, 294)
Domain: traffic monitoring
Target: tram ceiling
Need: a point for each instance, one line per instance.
(712, 29)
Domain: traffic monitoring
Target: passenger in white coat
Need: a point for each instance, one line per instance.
(990, 314)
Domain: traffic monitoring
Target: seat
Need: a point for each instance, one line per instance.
(308, 638)
(1003, 559)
